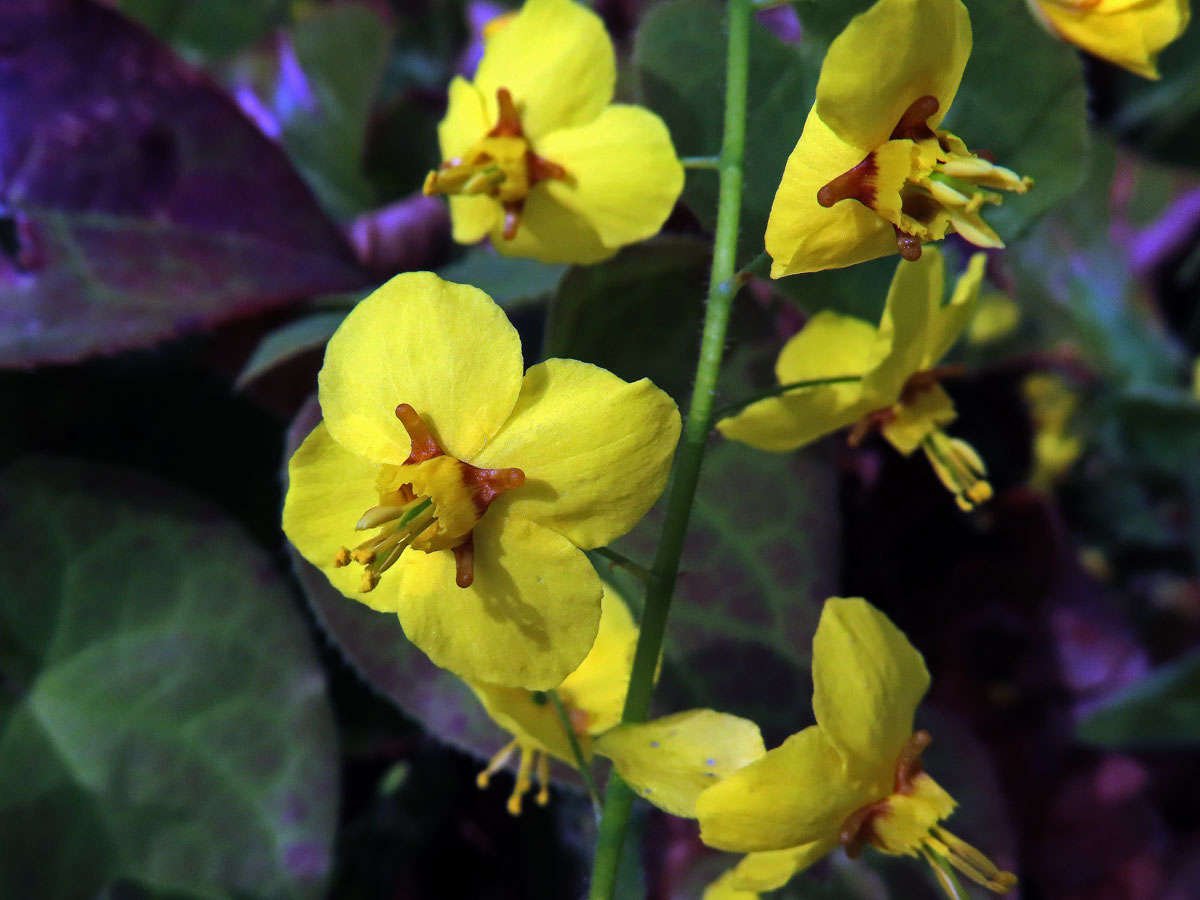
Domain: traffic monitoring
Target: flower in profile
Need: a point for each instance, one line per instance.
(537, 156)
(1129, 33)
(885, 378)
(855, 778)
(1057, 444)
(480, 485)
(592, 697)
(872, 173)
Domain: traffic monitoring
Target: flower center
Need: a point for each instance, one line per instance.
(501, 166)
(906, 823)
(430, 502)
(925, 182)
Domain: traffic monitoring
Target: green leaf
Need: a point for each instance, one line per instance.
(209, 30)
(1029, 110)
(342, 51)
(761, 558)
(509, 280)
(1161, 709)
(637, 315)
(288, 342)
(164, 720)
(679, 67)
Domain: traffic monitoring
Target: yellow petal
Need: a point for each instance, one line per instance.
(529, 618)
(894, 53)
(556, 60)
(827, 346)
(798, 793)
(772, 869)
(598, 687)
(669, 761)
(952, 319)
(550, 232)
(445, 349)
(802, 235)
(1129, 33)
(907, 323)
(930, 410)
(465, 123)
(595, 692)
(473, 217)
(723, 889)
(867, 682)
(595, 450)
(328, 490)
(624, 176)
(905, 824)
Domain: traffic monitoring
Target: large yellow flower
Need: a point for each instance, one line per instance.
(885, 378)
(1129, 33)
(854, 778)
(871, 173)
(593, 697)
(482, 485)
(536, 154)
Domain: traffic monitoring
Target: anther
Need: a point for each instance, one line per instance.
(341, 558)
(495, 764)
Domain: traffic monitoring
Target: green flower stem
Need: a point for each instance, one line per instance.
(723, 284)
(640, 572)
(701, 162)
(778, 389)
(581, 763)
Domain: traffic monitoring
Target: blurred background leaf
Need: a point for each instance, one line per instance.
(1163, 709)
(138, 200)
(164, 719)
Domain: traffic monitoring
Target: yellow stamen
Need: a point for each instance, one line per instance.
(960, 469)
(341, 558)
(543, 779)
(523, 782)
(969, 861)
(495, 764)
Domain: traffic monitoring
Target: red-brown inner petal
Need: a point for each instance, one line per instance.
(913, 124)
(464, 562)
(509, 122)
(424, 445)
(856, 184)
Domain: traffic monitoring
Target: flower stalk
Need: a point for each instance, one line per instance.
(723, 285)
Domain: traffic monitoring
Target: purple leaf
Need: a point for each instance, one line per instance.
(137, 201)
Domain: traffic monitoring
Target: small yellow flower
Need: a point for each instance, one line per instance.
(593, 695)
(854, 778)
(481, 485)
(891, 378)
(1129, 33)
(871, 173)
(1056, 446)
(537, 156)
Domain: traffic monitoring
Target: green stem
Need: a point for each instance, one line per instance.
(581, 763)
(643, 574)
(778, 389)
(723, 284)
(701, 162)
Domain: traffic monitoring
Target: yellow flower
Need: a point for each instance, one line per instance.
(1129, 33)
(593, 695)
(536, 154)
(483, 484)
(854, 778)
(871, 172)
(1056, 446)
(887, 378)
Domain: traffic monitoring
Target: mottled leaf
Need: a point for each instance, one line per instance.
(509, 280)
(140, 203)
(208, 30)
(637, 315)
(164, 721)
(1161, 709)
